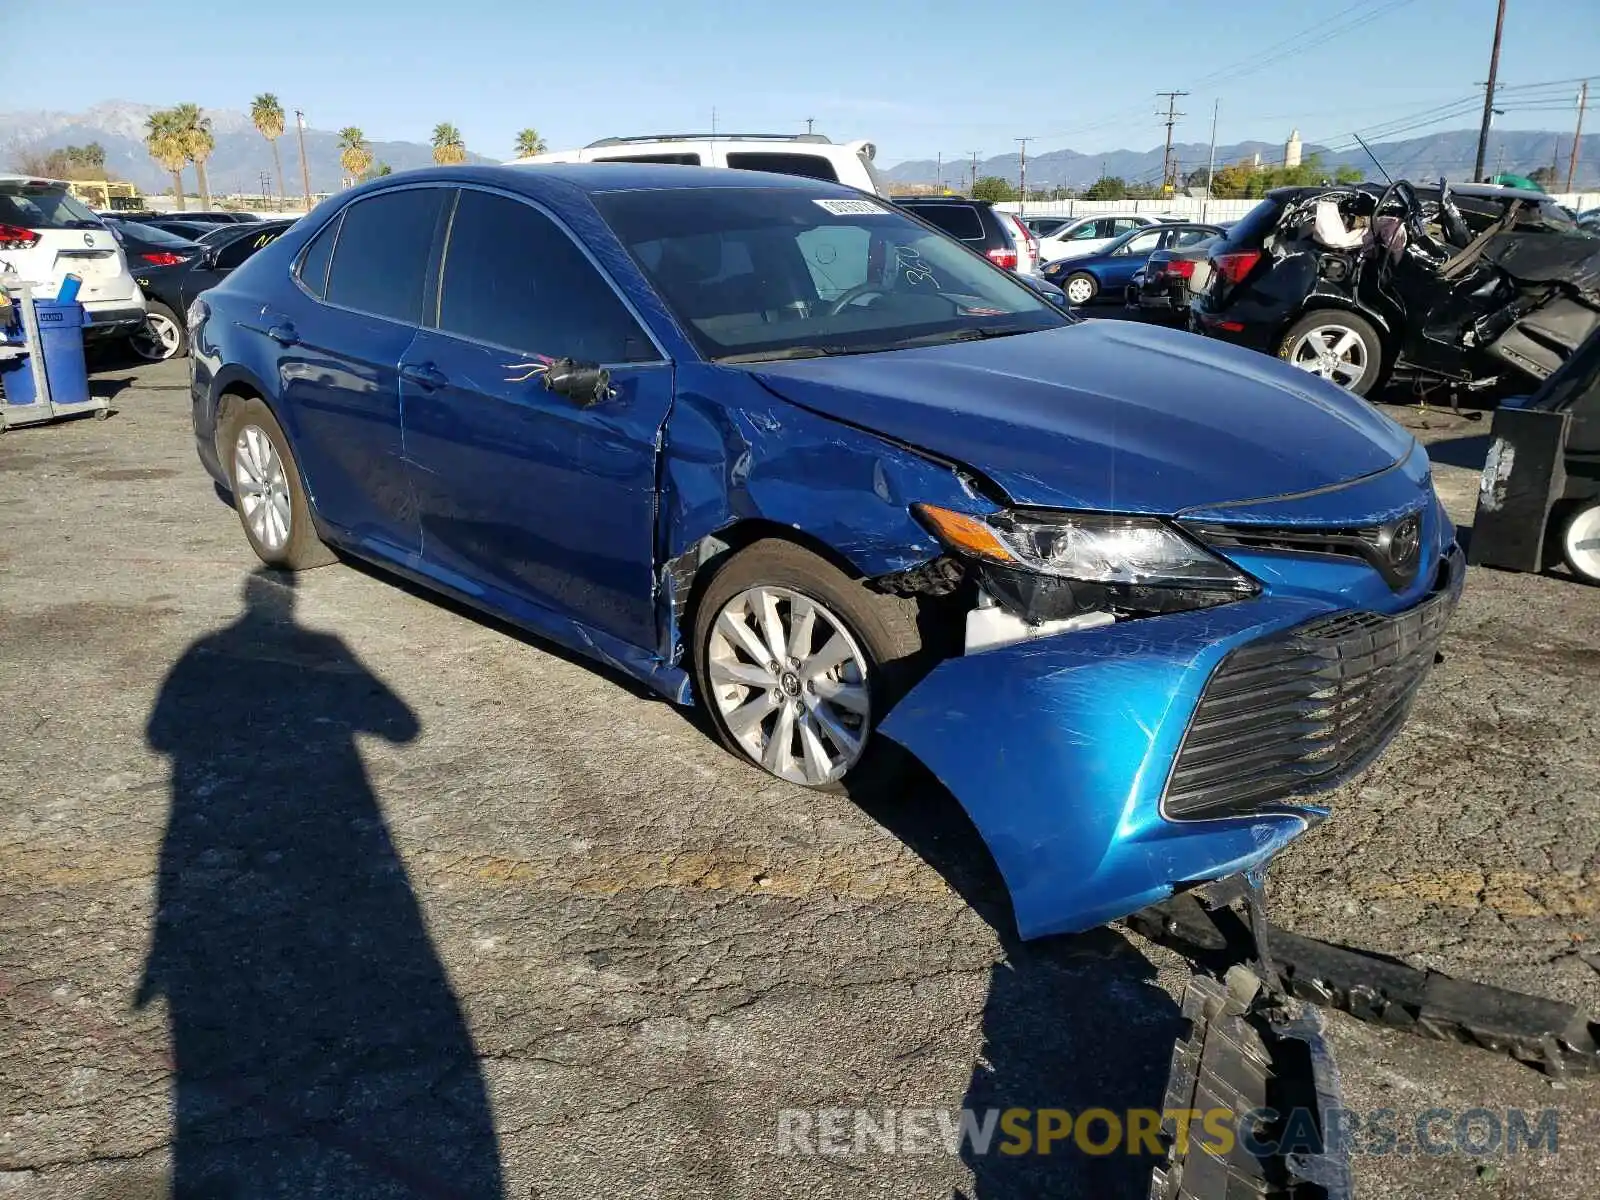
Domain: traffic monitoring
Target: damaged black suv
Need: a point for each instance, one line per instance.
(1467, 285)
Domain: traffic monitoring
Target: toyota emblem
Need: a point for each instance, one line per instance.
(88, 239)
(1405, 542)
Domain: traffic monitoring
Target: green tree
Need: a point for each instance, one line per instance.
(194, 134)
(1349, 175)
(993, 187)
(448, 147)
(163, 138)
(530, 143)
(355, 156)
(377, 172)
(1107, 187)
(267, 114)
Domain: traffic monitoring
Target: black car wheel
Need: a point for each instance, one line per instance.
(162, 336)
(1337, 346)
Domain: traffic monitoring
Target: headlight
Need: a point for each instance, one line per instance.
(1045, 566)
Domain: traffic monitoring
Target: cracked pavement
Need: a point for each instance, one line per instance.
(347, 848)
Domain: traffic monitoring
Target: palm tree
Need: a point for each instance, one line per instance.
(267, 113)
(447, 145)
(530, 143)
(165, 144)
(195, 131)
(353, 152)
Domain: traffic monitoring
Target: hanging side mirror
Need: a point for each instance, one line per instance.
(582, 382)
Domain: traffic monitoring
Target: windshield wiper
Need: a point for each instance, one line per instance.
(967, 333)
(786, 352)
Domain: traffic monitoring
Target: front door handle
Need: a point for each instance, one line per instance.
(424, 375)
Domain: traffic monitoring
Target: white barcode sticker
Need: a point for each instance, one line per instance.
(851, 208)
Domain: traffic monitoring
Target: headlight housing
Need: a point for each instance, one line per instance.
(1047, 565)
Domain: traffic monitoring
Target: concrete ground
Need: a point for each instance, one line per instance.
(272, 855)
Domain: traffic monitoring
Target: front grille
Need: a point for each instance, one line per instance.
(1303, 710)
(1372, 544)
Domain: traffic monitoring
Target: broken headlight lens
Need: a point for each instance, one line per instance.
(1102, 548)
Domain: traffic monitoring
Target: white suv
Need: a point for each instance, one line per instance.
(809, 154)
(46, 235)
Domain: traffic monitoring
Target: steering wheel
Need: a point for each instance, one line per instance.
(854, 294)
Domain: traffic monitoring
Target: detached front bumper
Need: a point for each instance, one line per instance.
(1063, 750)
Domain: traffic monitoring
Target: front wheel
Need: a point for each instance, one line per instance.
(795, 663)
(1580, 541)
(267, 491)
(1080, 288)
(1337, 346)
(162, 336)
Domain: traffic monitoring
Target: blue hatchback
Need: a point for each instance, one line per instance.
(1106, 274)
(776, 448)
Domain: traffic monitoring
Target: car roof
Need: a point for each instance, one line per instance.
(938, 200)
(594, 177)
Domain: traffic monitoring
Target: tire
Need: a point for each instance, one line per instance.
(273, 483)
(163, 337)
(880, 630)
(1320, 343)
(1580, 541)
(1087, 286)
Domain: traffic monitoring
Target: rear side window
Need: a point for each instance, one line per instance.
(958, 220)
(809, 166)
(314, 263)
(42, 206)
(382, 254)
(513, 278)
(679, 160)
(241, 248)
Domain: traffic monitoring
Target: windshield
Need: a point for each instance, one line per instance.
(43, 206)
(758, 272)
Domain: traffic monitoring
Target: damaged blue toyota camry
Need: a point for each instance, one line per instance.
(776, 448)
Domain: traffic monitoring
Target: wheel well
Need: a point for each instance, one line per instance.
(239, 392)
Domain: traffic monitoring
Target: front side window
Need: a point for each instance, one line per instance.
(241, 248)
(1124, 225)
(758, 272)
(808, 166)
(513, 278)
(382, 255)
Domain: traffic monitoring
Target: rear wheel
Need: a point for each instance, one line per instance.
(162, 336)
(1337, 346)
(1580, 541)
(1081, 287)
(795, 663)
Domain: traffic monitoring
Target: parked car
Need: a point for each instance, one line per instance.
(170, 287)
(217, 216)
(974, 223)
(1589, 221)
(1173, 276)
(1466, 284)
(1027, 245)
(1106, 274)
(809, 155)
(774, 447)
(191, 230)
(145, 246)
(1045, 226)
(47, 234)
(1088, 235)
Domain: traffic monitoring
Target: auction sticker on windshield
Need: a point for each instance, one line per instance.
(852, 208)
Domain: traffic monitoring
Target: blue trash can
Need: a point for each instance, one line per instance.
(16, 380)
(61, 335)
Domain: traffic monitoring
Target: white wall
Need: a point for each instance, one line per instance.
(1215, 210)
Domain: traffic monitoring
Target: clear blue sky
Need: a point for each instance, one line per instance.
(916, 76)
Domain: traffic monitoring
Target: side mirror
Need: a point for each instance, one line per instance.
(1049, 291)
(208, 258)
(584, 383)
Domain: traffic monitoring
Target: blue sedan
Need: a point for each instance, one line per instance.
(776, 449)
(1108, 272)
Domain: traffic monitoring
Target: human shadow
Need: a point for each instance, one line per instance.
(1468, 451)
(318, 1049)
(1070, 1023)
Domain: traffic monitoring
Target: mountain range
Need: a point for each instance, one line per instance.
(236, 164)
(1450, 154)
(242, 155)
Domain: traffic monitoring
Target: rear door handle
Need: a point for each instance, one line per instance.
(283, 333)
(424, 375)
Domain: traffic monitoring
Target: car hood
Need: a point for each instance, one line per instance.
(1106, 415)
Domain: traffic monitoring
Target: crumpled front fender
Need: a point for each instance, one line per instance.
(1059, 750)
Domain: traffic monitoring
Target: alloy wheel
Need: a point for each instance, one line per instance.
(157, 339)
(1581, 543)
(262, 487)
(790, 684)
(1080, 289)
(1331, 352)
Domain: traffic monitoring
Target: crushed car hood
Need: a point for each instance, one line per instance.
(1105, 415)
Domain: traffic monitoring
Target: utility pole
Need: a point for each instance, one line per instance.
(1022, 176)
(1172, 115)
(305, 171)
(1211, 163)
(1577, 134)
(1488, 94)
(974, 185)
(939, 172)
(809, 120)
